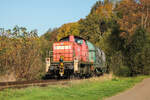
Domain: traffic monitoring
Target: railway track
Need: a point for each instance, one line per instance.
(23, 84)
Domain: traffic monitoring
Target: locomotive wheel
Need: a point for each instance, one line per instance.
(74, 76)
(92, 74)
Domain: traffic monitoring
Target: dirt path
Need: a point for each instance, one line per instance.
(140, 91)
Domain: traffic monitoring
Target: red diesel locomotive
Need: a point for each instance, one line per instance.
(74, 56)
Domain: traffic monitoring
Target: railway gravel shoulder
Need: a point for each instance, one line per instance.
(22, 84)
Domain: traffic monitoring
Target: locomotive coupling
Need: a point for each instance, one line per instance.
(61, 67)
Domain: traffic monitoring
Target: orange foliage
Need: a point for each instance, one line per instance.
(133, 14)
(105, 10)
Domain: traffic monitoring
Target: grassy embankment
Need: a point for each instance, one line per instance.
(89, 89)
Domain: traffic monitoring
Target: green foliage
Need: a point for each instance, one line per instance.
(97, 23)
(136, 57)
(133, 56)
(47, 41)
(130, 38)
(51, 34)
(117, 65)
(123, 71)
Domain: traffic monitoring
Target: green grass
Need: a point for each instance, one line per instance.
(85, 90)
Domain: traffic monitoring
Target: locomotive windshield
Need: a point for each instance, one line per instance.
(65, 39)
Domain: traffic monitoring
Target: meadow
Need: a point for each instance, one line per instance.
(87, 89)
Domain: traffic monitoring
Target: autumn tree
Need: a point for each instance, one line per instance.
(98, 22)
(47, 41)
(131, 36)
(20, 53)
(68, 29)
(132, 14)
(134, 52)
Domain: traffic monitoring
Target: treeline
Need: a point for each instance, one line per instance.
(121, 28)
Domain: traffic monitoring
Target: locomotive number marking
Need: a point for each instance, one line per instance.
(62, 47)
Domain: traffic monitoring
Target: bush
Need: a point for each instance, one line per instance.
(137, 53)
(123, 71)
(117, 65)
(21, 54)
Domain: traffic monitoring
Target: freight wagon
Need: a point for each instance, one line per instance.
(74, 56)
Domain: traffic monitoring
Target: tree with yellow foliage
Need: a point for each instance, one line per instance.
(68, 29)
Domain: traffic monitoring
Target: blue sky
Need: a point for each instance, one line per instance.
(42, 14)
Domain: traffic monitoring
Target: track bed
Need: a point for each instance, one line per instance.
(23, 84)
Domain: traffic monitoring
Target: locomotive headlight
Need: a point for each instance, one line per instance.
(61, 64)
